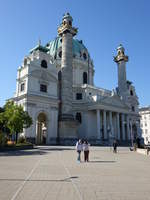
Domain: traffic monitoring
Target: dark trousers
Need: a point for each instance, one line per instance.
(115, 149)
(86, 156)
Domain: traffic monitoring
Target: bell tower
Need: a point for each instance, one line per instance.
(67, 124)
(121, 60)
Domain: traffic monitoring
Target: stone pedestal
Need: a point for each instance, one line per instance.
(68, 129)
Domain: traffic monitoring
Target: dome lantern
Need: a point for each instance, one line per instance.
(121, 54)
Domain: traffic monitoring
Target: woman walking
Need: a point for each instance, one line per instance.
(79, 148)
(86, 151)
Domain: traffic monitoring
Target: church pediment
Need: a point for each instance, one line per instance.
(43, 75)
(114, 101)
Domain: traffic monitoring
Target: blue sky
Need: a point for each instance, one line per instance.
(103, 25)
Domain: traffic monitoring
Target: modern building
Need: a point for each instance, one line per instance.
(145, 123)
(55, 84)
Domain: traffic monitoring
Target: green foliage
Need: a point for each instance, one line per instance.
(24, 144)
(15, 118)
(3, 140)
(21, 140)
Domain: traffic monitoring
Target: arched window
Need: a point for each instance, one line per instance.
(133, 108)
(59, 75)
(84, 77)
(70, 23)
(131, 92)
(60, 54)
(44, 64)
(84, 56)
(79, 117)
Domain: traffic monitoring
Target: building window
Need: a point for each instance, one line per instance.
(60, 54)
(145, 124)
(78, 96)
(70, 23)
(43, 88)
(131, 92)
(22, 87)
(84, 77)
(145, 131)
(141, 125)
(44, 64)
(133, 109)
(84, 56)
(79, 117)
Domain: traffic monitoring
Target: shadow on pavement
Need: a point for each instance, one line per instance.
(102, 161)
(38, 150)
(54, 148)
(22, 153)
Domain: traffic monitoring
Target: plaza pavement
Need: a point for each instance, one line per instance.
(52, 173)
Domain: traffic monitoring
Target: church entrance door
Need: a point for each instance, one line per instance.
(41, 129)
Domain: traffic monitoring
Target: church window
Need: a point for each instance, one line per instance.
(84, 56)
(22, 87)
(84, 77)
(133, 109)
(146, 131)
(60, 54)
(78, 96)
(43, 88)
(79, 117)
(59, 75)
(131, 92)
(70, 23)
(44, 64)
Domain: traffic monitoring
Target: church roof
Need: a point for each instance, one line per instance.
(40, 48)
(56, 44)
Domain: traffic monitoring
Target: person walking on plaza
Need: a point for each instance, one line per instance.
(86, 151)
(115, 146)
(79, 148)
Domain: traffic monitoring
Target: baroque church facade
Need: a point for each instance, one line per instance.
(55, 85)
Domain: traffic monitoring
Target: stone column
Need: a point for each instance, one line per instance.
(66, 32)
(98, 125)
(104, 123)
(122, 126)
(128, 129)
(110, 122)
(118, 127)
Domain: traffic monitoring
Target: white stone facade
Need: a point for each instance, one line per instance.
(99, 114)
(145, 123)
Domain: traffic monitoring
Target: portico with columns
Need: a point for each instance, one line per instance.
(113, 125)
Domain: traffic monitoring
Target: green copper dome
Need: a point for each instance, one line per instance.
(55, 45)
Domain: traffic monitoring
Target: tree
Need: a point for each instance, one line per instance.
(15, 118)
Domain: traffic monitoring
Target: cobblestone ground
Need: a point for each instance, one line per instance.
(52, 173)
